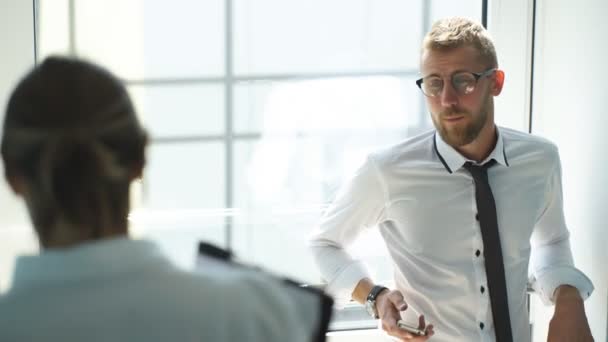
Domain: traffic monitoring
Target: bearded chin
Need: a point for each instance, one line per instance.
(462, 135)
(458, 136)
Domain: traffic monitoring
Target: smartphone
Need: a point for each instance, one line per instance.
(410, 328)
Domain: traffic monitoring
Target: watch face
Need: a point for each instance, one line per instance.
(371, 308)
(370, 303)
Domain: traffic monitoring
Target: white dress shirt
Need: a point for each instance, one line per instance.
(126, 290)
(422, 200)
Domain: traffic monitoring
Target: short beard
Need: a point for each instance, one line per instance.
(461, 136)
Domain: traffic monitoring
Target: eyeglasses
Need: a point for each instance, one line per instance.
(463, 82)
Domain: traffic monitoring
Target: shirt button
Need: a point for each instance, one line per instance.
(481, 325)
(483, 289)
(477, 253)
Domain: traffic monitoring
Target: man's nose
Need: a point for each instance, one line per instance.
(448, 95)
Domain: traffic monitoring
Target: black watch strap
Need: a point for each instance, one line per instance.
(371, 297)
(370, 303)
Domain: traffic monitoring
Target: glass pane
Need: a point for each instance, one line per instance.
(183, 199)
(294, 36)
(355, 108)
(153, 38)
(185, 176)
(257, 243)
(450, 8)
(313, 135)
(180, 110)
(178, 232)
(261, 222)
(301, 172)
(53, 34)
(282, 200)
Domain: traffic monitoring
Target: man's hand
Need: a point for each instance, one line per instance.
(569, 323)
(389, 303)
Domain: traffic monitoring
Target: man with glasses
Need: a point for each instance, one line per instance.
(466, 210)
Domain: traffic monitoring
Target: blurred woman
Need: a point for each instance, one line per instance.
(71, 146)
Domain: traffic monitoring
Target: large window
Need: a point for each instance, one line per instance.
(258, 109)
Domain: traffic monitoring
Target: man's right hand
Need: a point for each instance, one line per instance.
(389, 304)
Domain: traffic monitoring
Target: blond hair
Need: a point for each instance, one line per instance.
(455, 32)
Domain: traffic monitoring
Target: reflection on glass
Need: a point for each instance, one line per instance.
(53, 34)
(180, 110)
(185, 176)
(295, 142)
(313, 135)
(139, 39)
(294, 36)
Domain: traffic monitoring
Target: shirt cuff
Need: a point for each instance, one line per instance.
(342, 286)
(548, 281)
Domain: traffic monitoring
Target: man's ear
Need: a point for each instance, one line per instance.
(499, 81)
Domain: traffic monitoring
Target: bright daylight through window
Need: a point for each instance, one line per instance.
(258, 109)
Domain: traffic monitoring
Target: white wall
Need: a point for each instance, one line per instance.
(510, 25)
(570, 108)
(17, 51)
(570, 75)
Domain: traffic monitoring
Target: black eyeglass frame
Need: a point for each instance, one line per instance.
(477, 76)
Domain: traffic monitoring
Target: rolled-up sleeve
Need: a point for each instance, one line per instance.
(551, 262)
(358, 206)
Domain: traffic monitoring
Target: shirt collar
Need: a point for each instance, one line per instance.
(452, 160)
(87, 260)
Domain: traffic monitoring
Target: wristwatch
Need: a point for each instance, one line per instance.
(370, 303)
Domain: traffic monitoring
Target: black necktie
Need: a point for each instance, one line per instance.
(492, 251)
